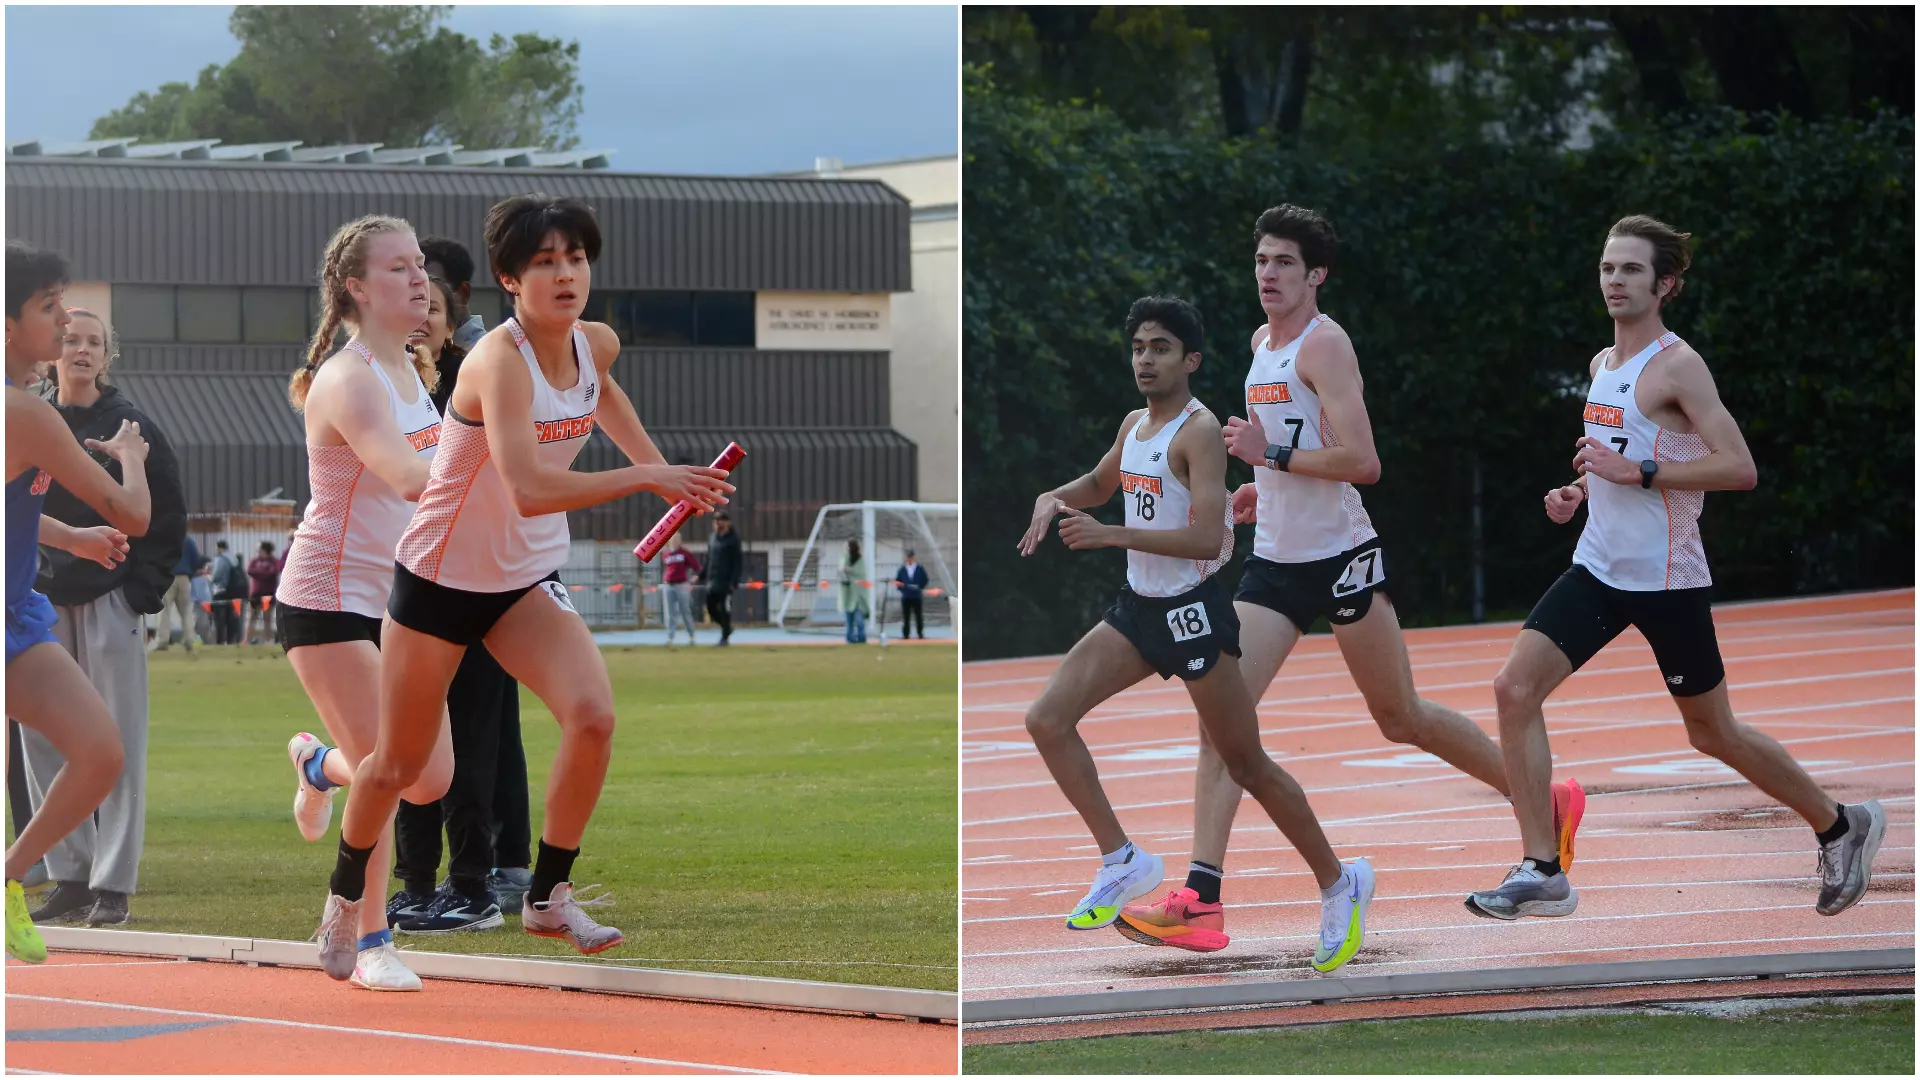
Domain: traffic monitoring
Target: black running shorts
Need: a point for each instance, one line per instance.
(1581, 614)
(456, 615)
(298, 626)
(1180, 635)
(1341, 587)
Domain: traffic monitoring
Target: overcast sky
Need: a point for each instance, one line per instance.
(690, 90)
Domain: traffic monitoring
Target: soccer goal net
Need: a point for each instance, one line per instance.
(810, 595)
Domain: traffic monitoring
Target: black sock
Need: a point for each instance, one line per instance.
(1838, 830)
(550, 867)
(350, 871)
(1548, 867)
(1204, 878)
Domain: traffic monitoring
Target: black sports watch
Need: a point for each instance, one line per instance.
(1647, 469)
(1278, 456)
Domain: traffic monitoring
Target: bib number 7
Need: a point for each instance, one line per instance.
(1189, 622)
(1367, 569)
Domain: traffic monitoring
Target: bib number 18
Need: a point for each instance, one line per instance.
(1189, 622)
(1369, 568)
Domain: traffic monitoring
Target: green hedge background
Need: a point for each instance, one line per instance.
(1467, 280)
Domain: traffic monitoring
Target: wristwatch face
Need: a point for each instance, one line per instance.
(1273, 453)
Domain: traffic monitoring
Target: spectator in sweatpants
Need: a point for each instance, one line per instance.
(96, 868)
(179, 599)
(486, 809)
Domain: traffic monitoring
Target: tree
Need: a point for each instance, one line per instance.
(392, 75)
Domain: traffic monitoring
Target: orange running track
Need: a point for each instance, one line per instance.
(93, 1013)
(1677, 856)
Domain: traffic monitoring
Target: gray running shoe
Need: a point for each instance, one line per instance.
(510, 885)
(1526, 891)
(1847, 863)
(339, 937)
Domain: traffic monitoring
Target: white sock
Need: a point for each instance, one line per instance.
(1118, 855)
(1336, 888)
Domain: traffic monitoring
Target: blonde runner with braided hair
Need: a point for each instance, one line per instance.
(371, 432)
(346, 258)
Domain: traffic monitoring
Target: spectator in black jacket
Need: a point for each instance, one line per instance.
(97, 866)
(722, 573)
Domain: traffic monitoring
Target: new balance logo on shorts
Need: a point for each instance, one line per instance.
(1345, 611)
(1676, 680)
(1196, 664)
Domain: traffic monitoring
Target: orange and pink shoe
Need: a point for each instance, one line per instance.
(1179, 920)
(1569, 802)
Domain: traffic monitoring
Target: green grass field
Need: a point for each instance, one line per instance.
(765, 805)
(1859, 1037)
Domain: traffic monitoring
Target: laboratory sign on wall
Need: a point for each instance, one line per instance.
(824, 321)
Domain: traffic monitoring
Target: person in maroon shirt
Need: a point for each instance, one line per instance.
(264, 571)
(677, 567)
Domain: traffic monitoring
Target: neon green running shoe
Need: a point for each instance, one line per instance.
(1343, 917)
(23, 938)
(1113, 887)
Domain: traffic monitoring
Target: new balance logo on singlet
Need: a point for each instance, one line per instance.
(1605, 415)
(425, 437)
(1624, 387)
(562, 430)
(1132, 482)
(1272, 393)
(42, 480)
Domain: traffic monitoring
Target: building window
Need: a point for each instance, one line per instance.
(661, 318)
(652, 318)
(143, 312)
(209, 314)
(275, 315)
(723, 319)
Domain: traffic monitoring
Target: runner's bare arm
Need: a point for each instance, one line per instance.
(617, 416)
(38, 438)
(350, 398)
(504, 390)
(1198, 458)
(1327, 363)
(1090, 489)
(1685, 383)
(103, 544)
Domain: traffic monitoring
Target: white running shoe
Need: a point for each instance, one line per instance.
(380, 968)
(339, 936)
(1343, 917)
(312, 808)
(1113, 886)
(561, 917)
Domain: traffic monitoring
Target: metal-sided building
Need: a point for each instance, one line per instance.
(750, 309)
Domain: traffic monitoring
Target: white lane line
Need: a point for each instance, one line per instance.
(1475, 924)
(1593, 726)
(11, 968)
(1406, 897)
(1449, 775)
(1356, 851)
(1565, 703)
(447, 1040)
(1504, 631)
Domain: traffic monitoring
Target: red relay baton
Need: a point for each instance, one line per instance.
(663, 531)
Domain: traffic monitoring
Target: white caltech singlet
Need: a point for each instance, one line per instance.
(467, 533)
(1640, 539)
(1302, 518)
(342, 557)
(1156, 500)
